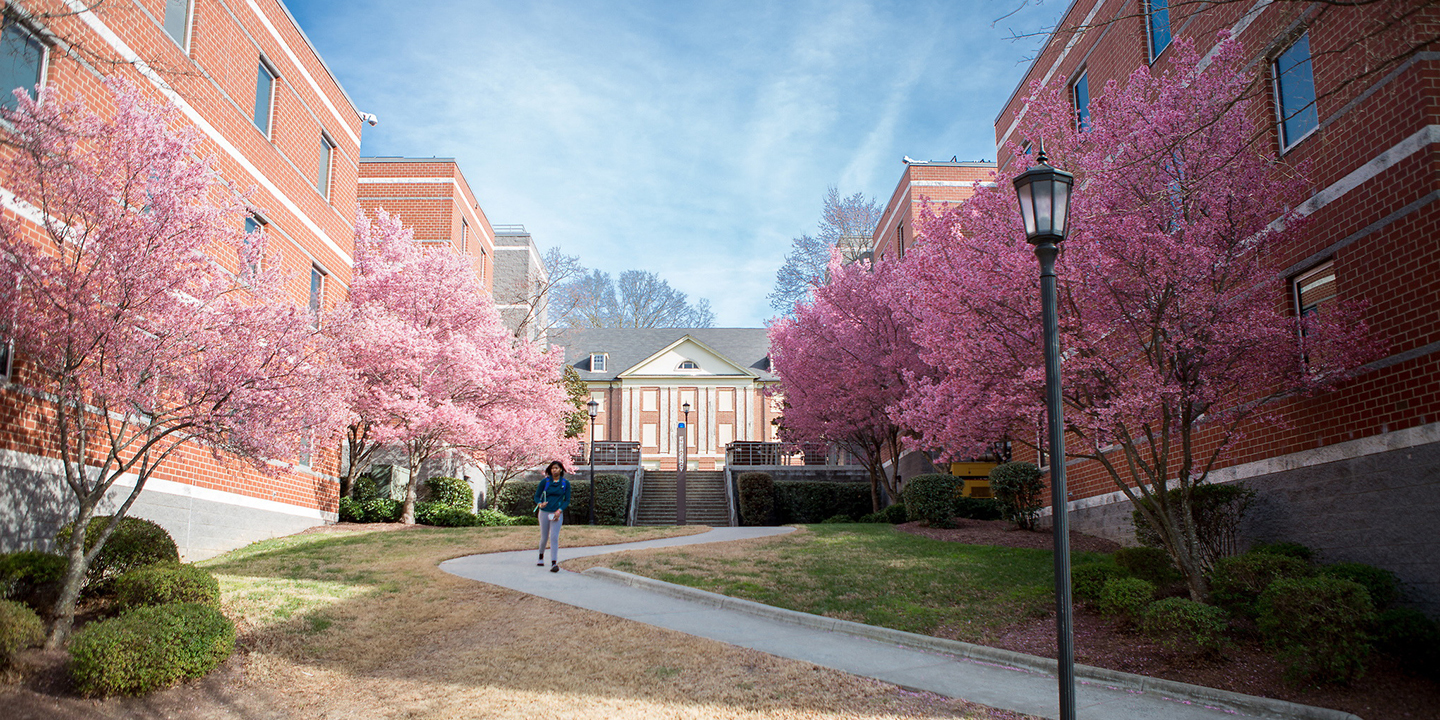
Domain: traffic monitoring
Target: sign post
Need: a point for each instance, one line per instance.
(680, 476)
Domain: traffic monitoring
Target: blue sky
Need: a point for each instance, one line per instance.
(689, 139)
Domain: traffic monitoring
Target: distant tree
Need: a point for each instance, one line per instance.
(137, 340)
(846, 224)
(545, 307)
(579, 396)
(640, 299)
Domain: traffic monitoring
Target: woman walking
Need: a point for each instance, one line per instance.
(551, 499)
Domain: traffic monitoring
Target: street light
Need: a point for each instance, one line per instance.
(594, 409)
(680, 462)
(1044, 194)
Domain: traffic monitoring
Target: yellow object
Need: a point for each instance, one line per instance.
(976, 476)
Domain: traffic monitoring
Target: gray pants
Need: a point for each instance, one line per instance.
(550, 530)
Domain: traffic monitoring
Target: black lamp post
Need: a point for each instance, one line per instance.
(594, 409)
(680, 462)
(1045, 206)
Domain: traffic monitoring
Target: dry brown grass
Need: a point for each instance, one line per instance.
(365, 625)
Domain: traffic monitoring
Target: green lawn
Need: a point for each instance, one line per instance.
(869, 573)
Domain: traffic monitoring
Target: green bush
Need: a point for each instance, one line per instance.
(1383, 586)
(873, 518)
(377, 510)
(1126, 596)
(450, 491)
(495, 518)
(364, 488)
(932, 498)
(1288, 549)
(135, 543)
(1019, 489)
(1183, 625)
(972, 508)
(164, 584)
(31, 577)
(1217, 511)
(1318, 627)
(837, 519)
(895, 513)
(442, 515)
(149, 648)
(803, 501)
(612, 500)
(517, 498)
(1236, 583)
(1410, 637)
(20, 628)
(1150, 564)
(1087, 580)
(757, 498)
(351, 510)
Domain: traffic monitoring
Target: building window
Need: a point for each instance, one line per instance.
(650, 435)
(22, 62)
(327, 154)
(689, 365)
(597, 362)
(317, 291)
(1314, 288)
(483, 258)
(1080, 94)
(7, 353)
(900, 241)
(264, 95)
(649, 400)
(465, 237)
(177, 22)
(1294, 80)
(1157, 20)
(253, 225)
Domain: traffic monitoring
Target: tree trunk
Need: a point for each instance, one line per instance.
(64, 609)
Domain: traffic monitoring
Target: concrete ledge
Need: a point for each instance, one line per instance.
(1171, 689)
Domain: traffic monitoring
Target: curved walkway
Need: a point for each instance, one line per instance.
(997, 678)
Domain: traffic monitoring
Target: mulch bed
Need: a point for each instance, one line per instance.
(1385, 692)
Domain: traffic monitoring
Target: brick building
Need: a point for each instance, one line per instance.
(275, 118)
(1354, 473)
(936, 182)
(431, 196)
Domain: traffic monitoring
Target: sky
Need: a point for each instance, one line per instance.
(690, 139)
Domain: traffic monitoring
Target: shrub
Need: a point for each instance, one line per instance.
(1087, 580)
(1237, 582)
(1150, 564)
(1217, 511)
(149, 648)
(1410, 637)
(1318, 626)
(442, 515)
(837, 519)
(517, 499)
(932, 498)
(31, 577)
(895, 514)
(1288, 549)
(135, 543)
(978, 508)
(1183, 625)
(1019, 490)
(164, 584)
(1383, 586)
(801, 501)
(450, 491)
(351, 510)
(1126, 597)
(364, 488)
(612, 500)
(757, 498)
(20, 628)
(381, 510)
(495, 518)
(875, 517)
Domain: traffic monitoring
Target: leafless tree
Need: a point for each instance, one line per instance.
(845, 223)
(638, 299)
(545, 304)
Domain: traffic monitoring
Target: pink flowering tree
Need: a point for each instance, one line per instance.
(436, 374)
(134, 314)
(1175, 329)
(844, 360)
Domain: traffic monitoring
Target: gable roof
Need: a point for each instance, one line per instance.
(746, 348)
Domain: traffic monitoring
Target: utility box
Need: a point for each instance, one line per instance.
(391, 481)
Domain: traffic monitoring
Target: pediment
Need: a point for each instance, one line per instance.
(668, 362)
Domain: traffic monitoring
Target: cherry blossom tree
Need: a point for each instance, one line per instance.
(436, 372)
(131, 316)
(1175, 329)
(844, 361)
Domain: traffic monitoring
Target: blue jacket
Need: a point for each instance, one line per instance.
(554, 493)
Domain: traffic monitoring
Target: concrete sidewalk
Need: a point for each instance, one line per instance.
(997, 678)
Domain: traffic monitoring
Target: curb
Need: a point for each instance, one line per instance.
(1170, 689)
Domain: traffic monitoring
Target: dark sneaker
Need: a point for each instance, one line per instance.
(554, 567)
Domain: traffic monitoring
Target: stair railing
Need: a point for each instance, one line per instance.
(635, 488)
(730, 509)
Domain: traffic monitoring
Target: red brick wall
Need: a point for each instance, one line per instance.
(434, 209)
(939, 185)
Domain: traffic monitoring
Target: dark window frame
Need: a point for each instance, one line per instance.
(1278, 86)
(188, 30)
(1151, 13)
(327, 165)
(268, 128)
(35, 36)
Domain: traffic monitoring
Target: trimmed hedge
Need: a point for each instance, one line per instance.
(149, 648)
(1126, 596)
(1383, 586)
(442, 515)
(31, 577)
(1150, 564)
(1319, 627)
(972, 508)
(165, 584)
(450, 491)
(932, 498)
(20, 628)
(1183, 625)
(351, 510)
(612, 499)
(1237, 583)
(757, 498)
(1288, 549)
(894, 514)
(377, 510)
(1410, 637)
(136, 542)
(1019, 489)
(1087, 580)
(800, 501)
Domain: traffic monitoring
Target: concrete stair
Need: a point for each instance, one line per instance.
(705, 501)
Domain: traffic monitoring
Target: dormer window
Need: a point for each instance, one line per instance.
(597, 362)
(689, 365)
